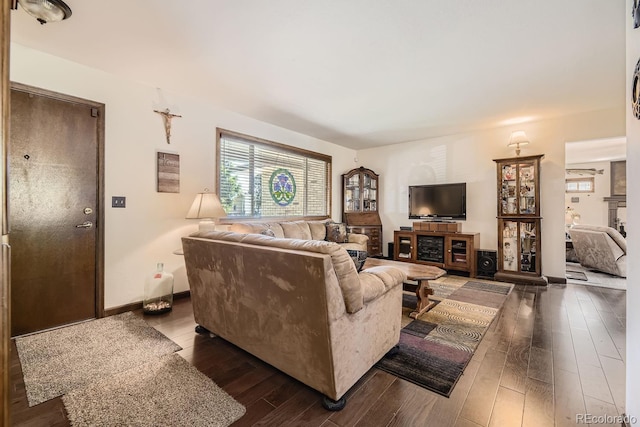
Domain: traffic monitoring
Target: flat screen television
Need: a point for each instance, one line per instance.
(438, 201)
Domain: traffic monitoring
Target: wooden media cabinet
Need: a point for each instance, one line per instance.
(450, 250)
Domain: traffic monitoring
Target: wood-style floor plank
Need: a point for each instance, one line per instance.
(568, 398)
(517, 364)
(508, 408)
(538, 404)
(479, 403)
(361, 401)
(551, 353)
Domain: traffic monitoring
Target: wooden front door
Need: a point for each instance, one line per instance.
(55, 209)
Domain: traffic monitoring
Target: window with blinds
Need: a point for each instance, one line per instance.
(259, 178)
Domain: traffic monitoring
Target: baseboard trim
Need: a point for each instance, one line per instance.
(138, 305)
(557, 280)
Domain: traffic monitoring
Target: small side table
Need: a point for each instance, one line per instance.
(418, 272)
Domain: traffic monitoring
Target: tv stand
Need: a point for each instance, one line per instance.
(445, 249)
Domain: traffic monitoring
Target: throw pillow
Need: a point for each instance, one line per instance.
(358, 257)
(268, 232)
(337, 232)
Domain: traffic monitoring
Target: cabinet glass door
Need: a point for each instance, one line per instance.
(509, 190)
(527, 189)
(510, 246)
(518, 190)
(458, 252)
(528, 244)
(369, 193)
(405, 245)
(352, 193)
(519, 246)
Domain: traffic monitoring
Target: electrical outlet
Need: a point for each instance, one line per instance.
(118, 202)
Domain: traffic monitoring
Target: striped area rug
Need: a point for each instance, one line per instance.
(435, 349)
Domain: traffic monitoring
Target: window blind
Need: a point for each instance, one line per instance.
(259, 178)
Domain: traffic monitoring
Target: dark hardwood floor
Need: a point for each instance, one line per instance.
(551, 354)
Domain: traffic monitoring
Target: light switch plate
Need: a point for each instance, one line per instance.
(118, 201)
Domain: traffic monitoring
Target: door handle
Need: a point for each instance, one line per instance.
(86, 224)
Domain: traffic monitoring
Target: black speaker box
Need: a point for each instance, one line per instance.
(486, 263)
(390, 250)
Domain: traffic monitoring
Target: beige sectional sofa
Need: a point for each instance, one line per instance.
(299, 305)
(305, 230)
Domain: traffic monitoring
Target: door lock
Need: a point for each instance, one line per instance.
(86, 224)
(87, 211)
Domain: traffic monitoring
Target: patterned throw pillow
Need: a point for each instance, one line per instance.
(358, 257)
(268, 232)
(337, 232)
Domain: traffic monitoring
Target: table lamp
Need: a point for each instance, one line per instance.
(517, 139)
(206, 207)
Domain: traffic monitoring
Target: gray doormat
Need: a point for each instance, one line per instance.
(58, 361)
(167, 391)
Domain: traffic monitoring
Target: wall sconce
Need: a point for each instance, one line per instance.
(44, 10)
(207, 207)
(517, 139)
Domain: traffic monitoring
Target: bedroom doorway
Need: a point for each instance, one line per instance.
(55, 206)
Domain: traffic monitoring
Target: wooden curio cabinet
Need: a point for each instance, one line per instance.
(360, 193)
(519, 248)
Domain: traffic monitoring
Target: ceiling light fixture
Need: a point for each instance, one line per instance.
(517, 139)
(46, 10)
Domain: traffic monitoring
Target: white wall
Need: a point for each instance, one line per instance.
(469, 158)
(149, 229)
(633, 244)
(592, 208)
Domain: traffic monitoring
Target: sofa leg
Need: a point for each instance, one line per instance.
(201, 330)
(333, 405)
(394, 350)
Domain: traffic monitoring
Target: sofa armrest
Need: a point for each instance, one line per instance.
(358, 238)
(356, 242)
(377, 281)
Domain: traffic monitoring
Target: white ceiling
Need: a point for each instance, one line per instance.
(358, 73)
(596, 150)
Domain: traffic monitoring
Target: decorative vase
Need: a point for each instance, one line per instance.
(158, 292)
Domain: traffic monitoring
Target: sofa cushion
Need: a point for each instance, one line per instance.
(358, 257)
(337, 232)
(318, 229)
(296, 230)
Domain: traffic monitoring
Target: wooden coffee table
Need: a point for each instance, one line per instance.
(418, 272)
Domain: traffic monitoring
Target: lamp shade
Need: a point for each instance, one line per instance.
(46, 10)
(518, 139)
(206, 205)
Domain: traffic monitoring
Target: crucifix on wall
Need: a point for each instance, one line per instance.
(166, 117)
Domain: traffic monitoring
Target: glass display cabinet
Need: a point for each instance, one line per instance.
(519, 250)
(360, 192)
